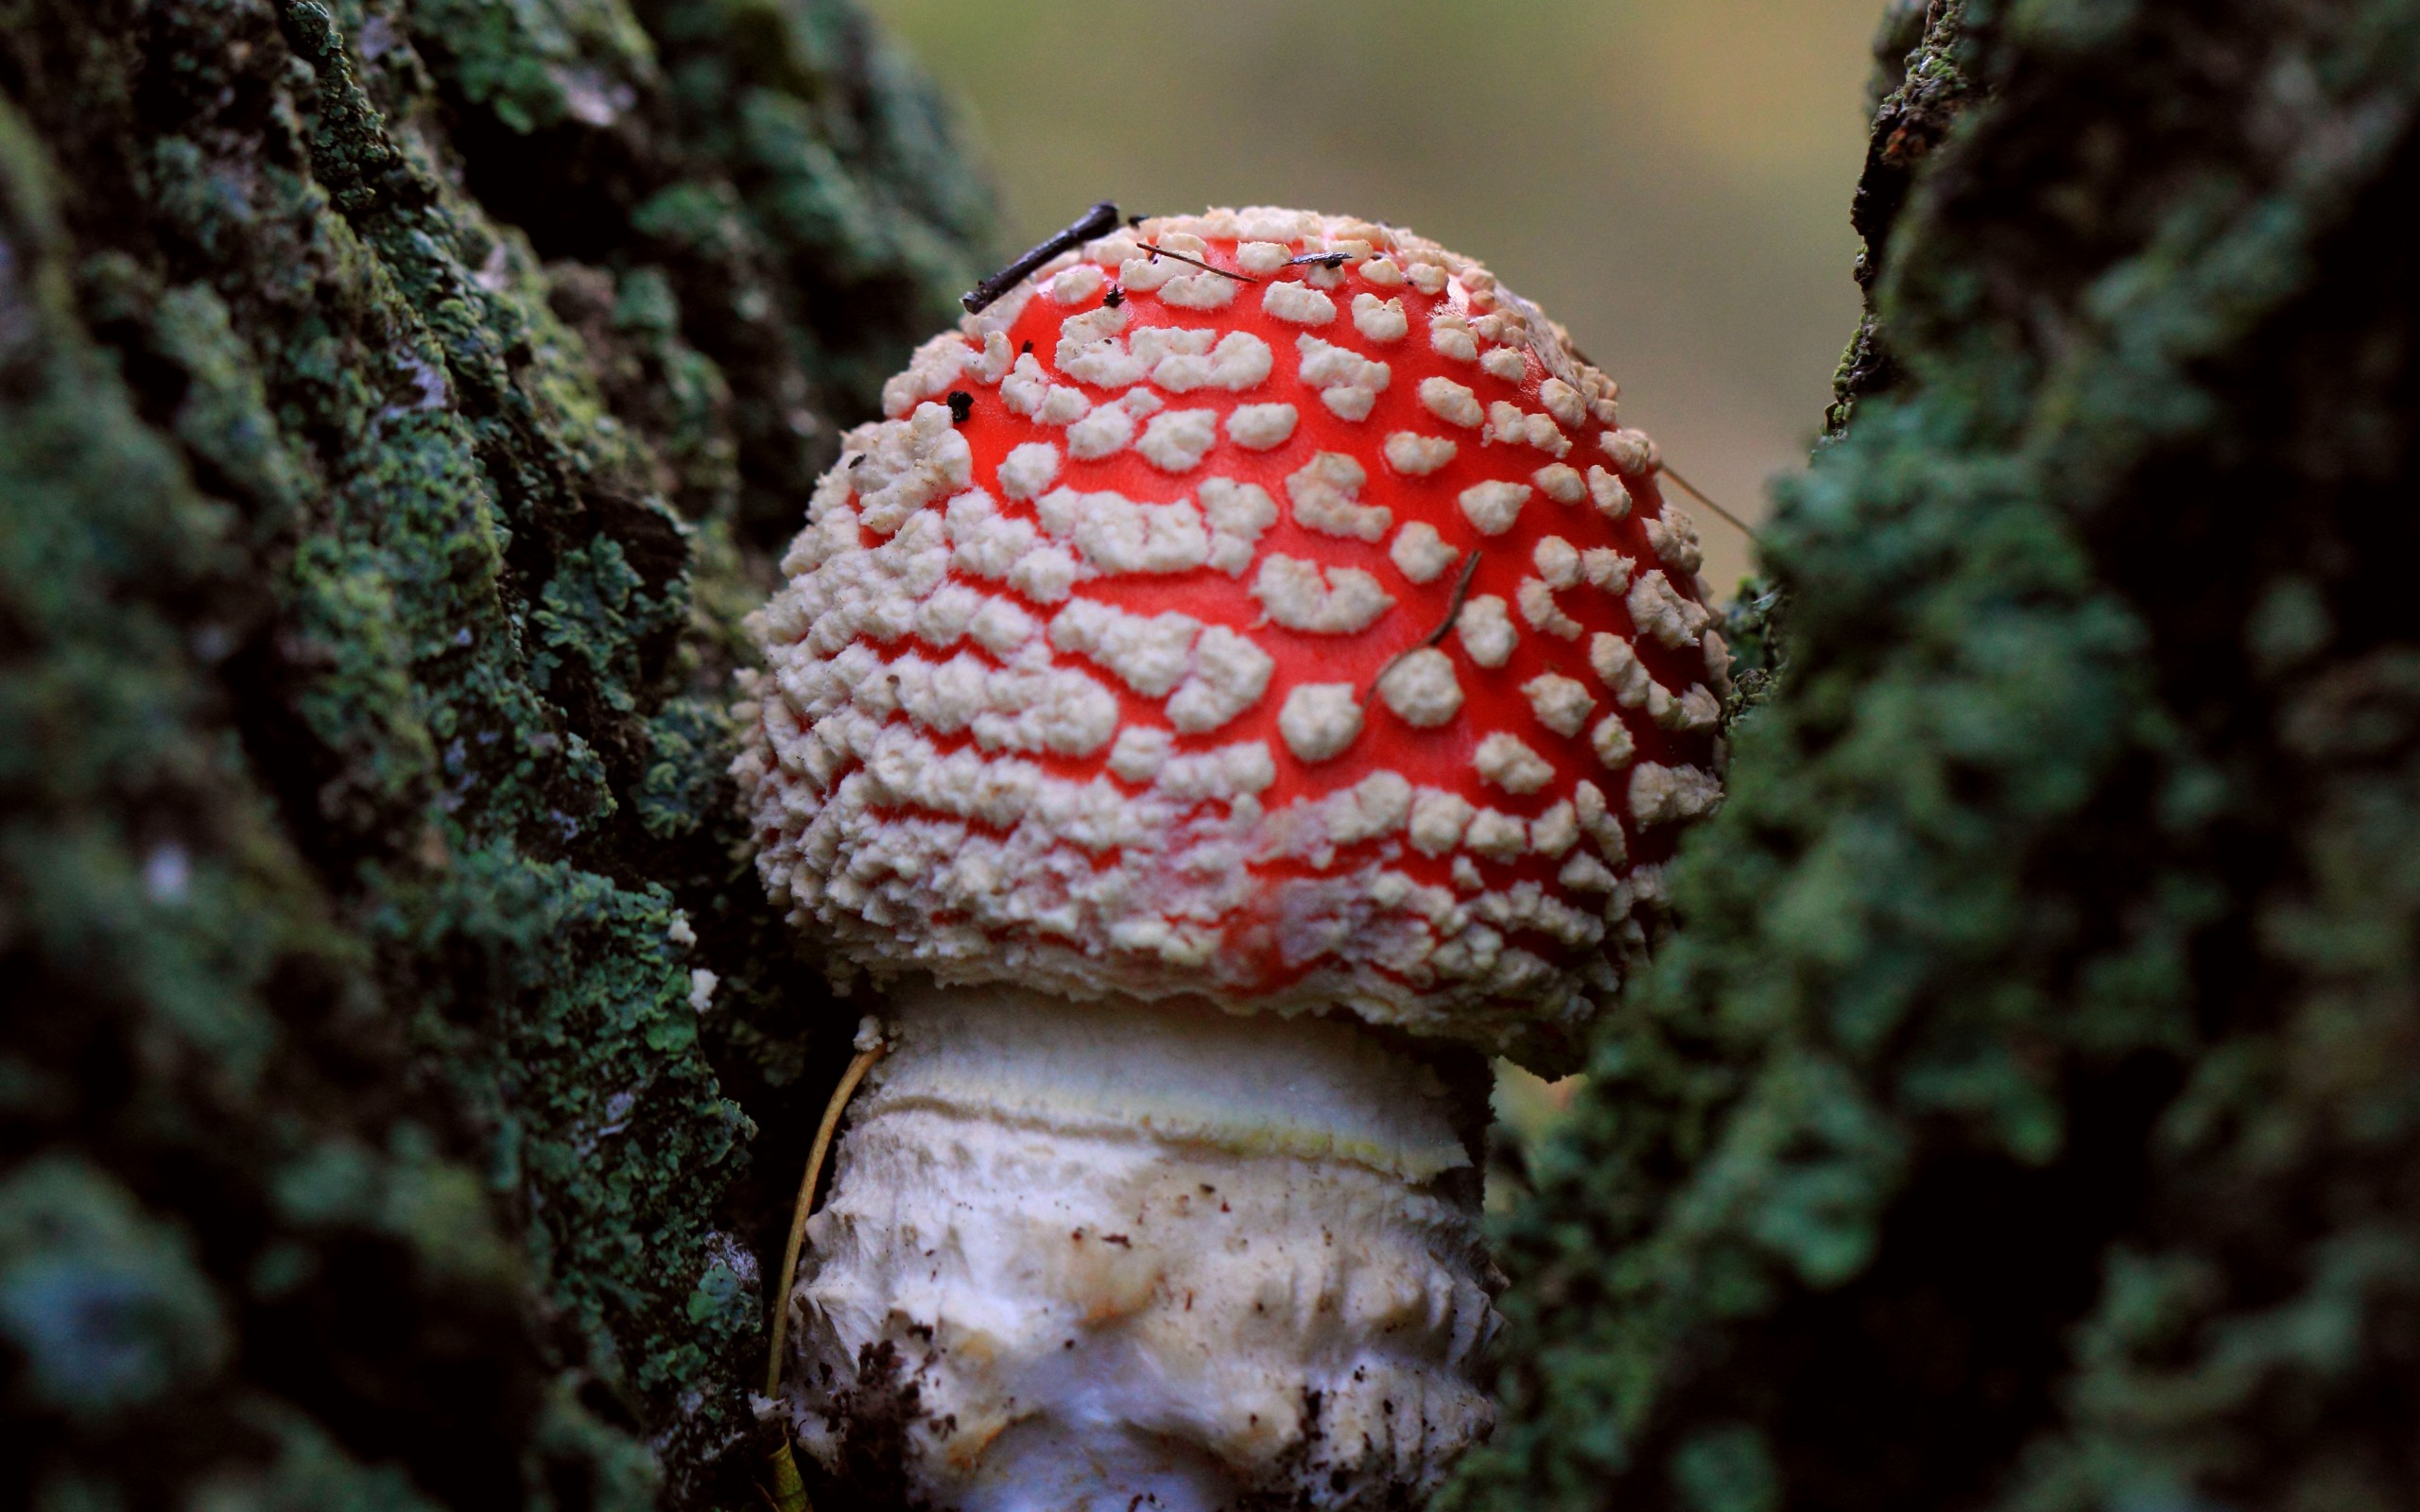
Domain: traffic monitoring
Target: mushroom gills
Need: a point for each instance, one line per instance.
(1097, 1251)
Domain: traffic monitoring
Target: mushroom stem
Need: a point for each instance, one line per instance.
(1077, 1254)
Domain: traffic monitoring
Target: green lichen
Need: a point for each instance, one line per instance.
(2023, 1115)
(385, 460)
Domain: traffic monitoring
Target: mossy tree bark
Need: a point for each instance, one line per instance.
(2025, 1113)
(400, 400)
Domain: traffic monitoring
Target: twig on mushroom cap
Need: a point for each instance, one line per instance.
(1157, 251)
(1098, 221)
(1445, 627)
(1699, 494)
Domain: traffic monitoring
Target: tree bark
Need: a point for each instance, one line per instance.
(400, 401)
(2023, 1115)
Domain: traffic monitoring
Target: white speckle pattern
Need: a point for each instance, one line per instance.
(1029, 469)
(1438, 821)
(1507, 762)
(1349, 403)
(1415, 456)
(1619, 669)
(1088, 348)
(1562, 484)
(1239, 513)
(1421, 688)
(1001, 626)
(1612, 742)
(1563, 403)
(1384, 272)
(1380, 319)
(1261, 427)
(1612, 496)
(931, 370)
(1260, 259)
(1078, 283)
(1493, 506)
(1556, 831)
(1451, 402)
(1486, 630)
(1585, 873)
(1675, 540)
(1178, 440)
(1229, 675)
(1151, 654)
(909, 465)
(1561, 703)
(1664, 795)
(1298, 303)
(1421, 554)
(1320, 720)
(1105, 432)
(1494, 833)
(1694, 710)
(1597, 820)
(1199, 290)
(1506, 363)
(1347, 603)
(1323, 490)
(1241, 361)
(1148, 273)
(1539, 607)
(1659, 610)
(1045, 574)
(1633, 452)
(1558, 563)
(1607, 569)
(1118, 534)
(1349, 383)
(1450, 337)
(1140, 752)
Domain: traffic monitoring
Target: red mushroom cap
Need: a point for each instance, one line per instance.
(1111, 664)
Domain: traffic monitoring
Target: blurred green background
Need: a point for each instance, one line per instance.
(1670, 177)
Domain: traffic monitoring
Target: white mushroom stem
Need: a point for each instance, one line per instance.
(1078, 1254)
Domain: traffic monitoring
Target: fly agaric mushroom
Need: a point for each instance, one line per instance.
(1249, 677)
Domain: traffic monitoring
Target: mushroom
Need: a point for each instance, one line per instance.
(1249, 677)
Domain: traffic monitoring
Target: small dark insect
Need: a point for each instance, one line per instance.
(1025, 350)
(962, 404)
(1115, 298)
(1097, 221)
(1323, 259)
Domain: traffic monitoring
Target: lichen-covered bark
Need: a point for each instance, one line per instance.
(399, 402)
(2024, 1114)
